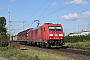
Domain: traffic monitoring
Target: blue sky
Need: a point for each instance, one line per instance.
(74, 15)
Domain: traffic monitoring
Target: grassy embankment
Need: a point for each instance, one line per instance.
(78, 42)
(79, 45)
(29, 54)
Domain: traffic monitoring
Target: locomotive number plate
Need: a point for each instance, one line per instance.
(56, 34)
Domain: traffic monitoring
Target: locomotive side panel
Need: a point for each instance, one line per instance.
(34, 36)
(39, 34)
(46, 32)
(31, 34)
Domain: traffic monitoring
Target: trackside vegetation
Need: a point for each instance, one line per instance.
(73, 39)
(78, 42)
(12, 53)
(4, 37)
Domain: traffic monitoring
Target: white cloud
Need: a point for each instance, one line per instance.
(54, 4)
(74, 16)
(78, 2)
(12, 0)
(86, 15)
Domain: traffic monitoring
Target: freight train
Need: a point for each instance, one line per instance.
(47, 35)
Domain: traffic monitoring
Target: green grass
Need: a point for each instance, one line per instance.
(79, 45)
(13, 54)
(45, 55)
(29, 54)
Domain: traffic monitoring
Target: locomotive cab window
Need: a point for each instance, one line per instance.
(51, 28)
(58, 28)
(55, 28)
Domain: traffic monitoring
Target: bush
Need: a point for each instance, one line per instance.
(73, 39)
(4, 39)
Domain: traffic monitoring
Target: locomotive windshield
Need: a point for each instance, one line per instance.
(55, 28)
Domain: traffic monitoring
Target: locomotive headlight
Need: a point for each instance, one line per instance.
(60, 34)
(50, 34)
(61, 38)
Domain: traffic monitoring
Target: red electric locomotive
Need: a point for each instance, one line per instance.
(48, 35)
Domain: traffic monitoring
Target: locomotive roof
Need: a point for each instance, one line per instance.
(47, 23)
(51, 24)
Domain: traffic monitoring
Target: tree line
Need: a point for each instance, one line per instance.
(4, 37)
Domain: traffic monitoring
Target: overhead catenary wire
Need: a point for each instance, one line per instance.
(38, 9)
(58, 10)
(45, 9)
(49, 9)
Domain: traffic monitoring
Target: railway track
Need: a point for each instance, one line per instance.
(72, 53)
(77, 51)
